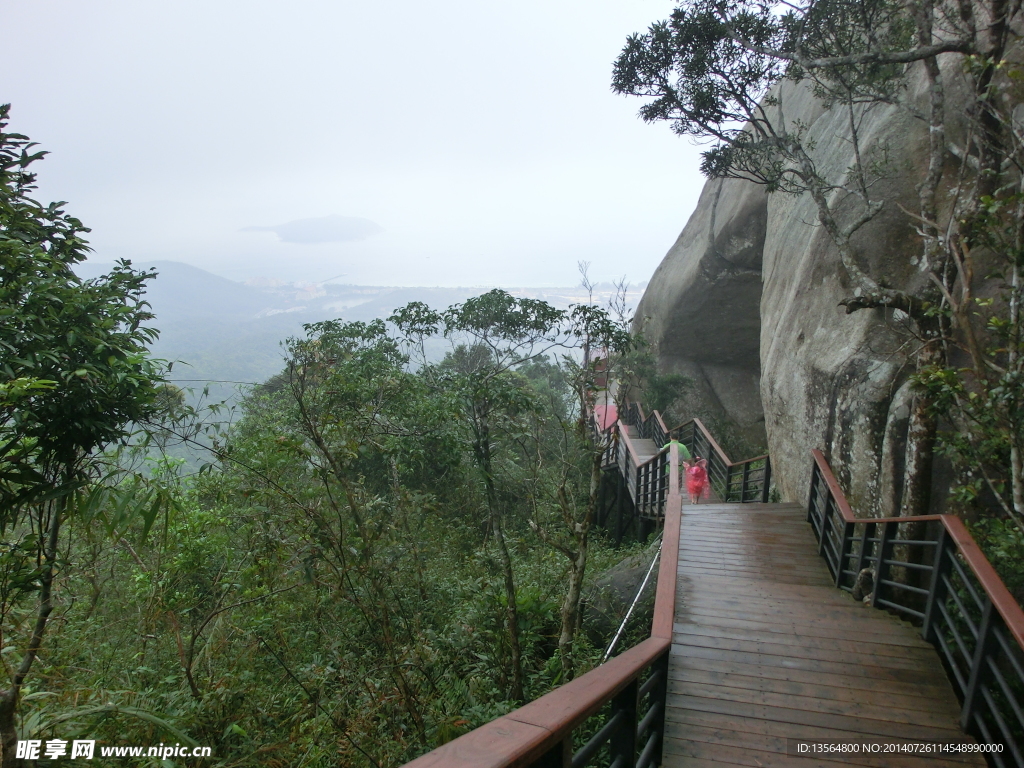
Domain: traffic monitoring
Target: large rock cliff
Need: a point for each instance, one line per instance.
(746, 303)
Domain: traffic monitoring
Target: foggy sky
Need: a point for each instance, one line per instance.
(393, 143)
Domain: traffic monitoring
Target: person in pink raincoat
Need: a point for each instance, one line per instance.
(696, 479)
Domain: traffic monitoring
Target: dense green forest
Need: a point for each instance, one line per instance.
(382, 553)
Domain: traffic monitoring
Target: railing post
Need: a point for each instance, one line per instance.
(559, 756)
(889, 531)
(743, 486)
(767, 479)
(815, 474)
(844, 550)
(659, 698)
(862, 556)
(826, 526)
(937, 590)
(977, 665)
(641, 488)
(623, 742)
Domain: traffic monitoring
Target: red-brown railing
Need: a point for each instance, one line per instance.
(647, 481)
(732, 481)
(930, 570)
(540, 734)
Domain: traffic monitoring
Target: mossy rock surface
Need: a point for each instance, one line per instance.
(609, 595)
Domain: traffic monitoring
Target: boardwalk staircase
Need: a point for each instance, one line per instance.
(638, 452)
(764, 648)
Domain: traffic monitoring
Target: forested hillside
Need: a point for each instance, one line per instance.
(387, 548)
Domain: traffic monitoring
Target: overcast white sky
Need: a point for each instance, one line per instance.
(455, 142)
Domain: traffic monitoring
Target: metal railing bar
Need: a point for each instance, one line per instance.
(907, 587)
(819, 508)
(986, 734)
(1007, 733)
(832, 540)
(917, 542)
(650, 717)
(831, 565)
(967, 583)
(1006, 689)
(952, 593)
(951, 626)
(647, 756)
(912, 566)
(898, 607)
(1008, 651)
(954, 667)
(619, 762)
(598, 740)
(832, 548)
(835, 543)
(651, 681)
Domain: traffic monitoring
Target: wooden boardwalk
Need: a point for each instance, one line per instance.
(765, 649)
(645, 449)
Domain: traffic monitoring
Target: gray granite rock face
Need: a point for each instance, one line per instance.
(701, 308)
(747, 303)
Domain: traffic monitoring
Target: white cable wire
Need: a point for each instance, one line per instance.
(632, 605)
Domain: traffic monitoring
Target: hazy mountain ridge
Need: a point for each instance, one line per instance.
(225, 331)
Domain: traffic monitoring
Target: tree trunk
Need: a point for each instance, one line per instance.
(1013, 366)
(9, 698)
(482, 449)
(571, 611)
(512, 611)
(921, 434)
(8, 731)
(578, 565)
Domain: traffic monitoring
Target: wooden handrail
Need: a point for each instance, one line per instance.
(624, 435)
(665, 597)
(968, 548)
(714, 443)
(527, 734)
(661, 421)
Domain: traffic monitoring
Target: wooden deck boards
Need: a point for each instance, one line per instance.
(765, 649)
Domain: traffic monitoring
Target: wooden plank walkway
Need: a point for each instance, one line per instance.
(766, 649)
(645, 449)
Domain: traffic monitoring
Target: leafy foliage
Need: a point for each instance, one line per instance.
(74, 375)
(331, 591)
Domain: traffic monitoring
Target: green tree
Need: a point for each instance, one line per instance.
(498, 333)
(357, 407)
(726, 71)
(596, 343)
(75, 376)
